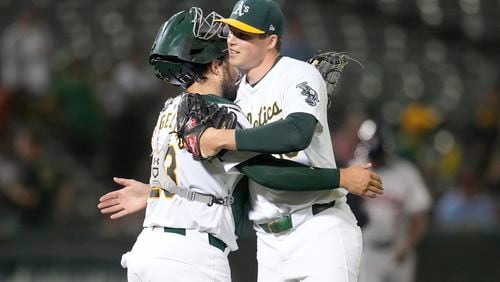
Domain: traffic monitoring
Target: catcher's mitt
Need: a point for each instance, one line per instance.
(194, 116)
(330, 65)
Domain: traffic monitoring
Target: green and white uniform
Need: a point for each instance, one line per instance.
(161, 254)
(326, 246)
(180, 230)
(211, 178)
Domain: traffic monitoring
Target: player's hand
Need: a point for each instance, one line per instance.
(208, 144)
(359, 180)
(128, 200)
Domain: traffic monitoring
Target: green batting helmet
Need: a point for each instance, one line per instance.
(184, 44)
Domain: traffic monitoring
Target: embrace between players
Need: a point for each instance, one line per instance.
(305, 229)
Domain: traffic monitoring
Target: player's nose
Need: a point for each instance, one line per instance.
(231, 39)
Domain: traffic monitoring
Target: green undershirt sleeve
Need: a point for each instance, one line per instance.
(239, 206)
(292, 134)
(280, 174)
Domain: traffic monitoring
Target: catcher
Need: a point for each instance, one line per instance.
(189, 225)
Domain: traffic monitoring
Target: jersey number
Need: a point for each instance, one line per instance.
(171, 164)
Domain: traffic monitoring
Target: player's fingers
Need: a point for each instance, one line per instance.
(108, 203)
(370, 194)
(377, 184)
(112, 209)
(119, 214)
(122, 181)
(109, 196)
(375, 189)
(376, 177)
(102, 205)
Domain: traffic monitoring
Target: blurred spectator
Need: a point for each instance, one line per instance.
(134, 77)
(466, 208)
(79, 111)
(128, 95)
(396, 219)
(9, 220)
(492, 173)
(295, 44)
(28, 180)
(485, 129)
(25, 48)
(416, 122)
(6, 101)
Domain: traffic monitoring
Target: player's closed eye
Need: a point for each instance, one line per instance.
(245, 35)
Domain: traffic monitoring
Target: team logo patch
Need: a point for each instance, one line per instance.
(311, 94)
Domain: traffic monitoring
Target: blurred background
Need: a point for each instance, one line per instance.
(78, 102)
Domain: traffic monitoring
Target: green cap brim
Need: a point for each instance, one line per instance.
(241, 26)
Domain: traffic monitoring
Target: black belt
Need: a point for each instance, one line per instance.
(212, 240)
(317, 208)
(285, 223)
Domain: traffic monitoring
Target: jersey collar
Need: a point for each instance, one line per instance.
(274, 64)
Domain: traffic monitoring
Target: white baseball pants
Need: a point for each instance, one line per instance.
(327, 247)
(163, 256)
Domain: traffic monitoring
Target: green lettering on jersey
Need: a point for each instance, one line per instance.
(266, 113)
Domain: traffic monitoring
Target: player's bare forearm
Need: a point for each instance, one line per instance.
(128, 200)
(359, 180)
(416, 231)
(213, 140)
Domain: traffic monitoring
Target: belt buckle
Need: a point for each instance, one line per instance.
(276, 226)
(271, 226)
(228, 200)
(191, 195)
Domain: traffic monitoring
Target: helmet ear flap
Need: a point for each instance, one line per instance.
(176, 73)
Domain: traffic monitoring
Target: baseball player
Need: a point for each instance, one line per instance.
(397, 219)
(183, 225)
(189, 224)
(285, 101)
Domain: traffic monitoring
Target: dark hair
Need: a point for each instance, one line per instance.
(203, 69)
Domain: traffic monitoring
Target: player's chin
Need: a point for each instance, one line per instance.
(235, 60)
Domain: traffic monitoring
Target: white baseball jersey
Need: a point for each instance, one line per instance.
(290, 86)
(209, 177)
(404, 194)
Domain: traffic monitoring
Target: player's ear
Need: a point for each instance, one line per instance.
(216, 67)
(272, 41)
